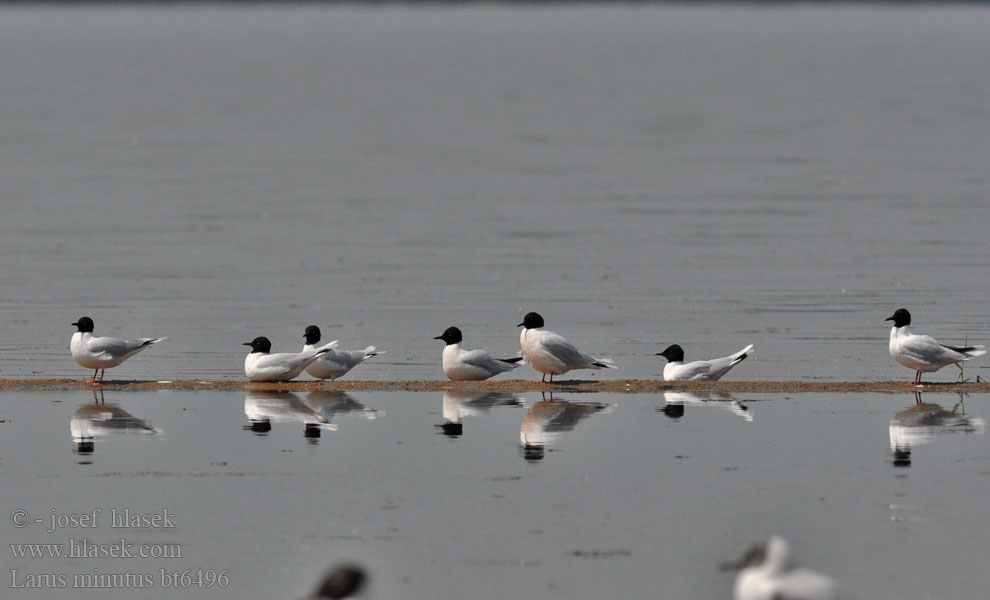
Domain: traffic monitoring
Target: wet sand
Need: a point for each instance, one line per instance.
(616, 386)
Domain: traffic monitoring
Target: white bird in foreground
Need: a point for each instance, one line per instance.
(260, 365)
(764, 575)
(922, 352)
(699, 370)
(101, 353)
(335, 363)
(550, 353)
(461, 364)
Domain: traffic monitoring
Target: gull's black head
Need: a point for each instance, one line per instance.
(754, 556)
(901, 317)
(312, 334)
(673, 353)
(531, 321)
(259, 344)
(85, 325)
(341, 581)
(452, 336)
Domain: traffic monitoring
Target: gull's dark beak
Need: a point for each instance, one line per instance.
(77, 324)
(887, 319)
(520, 325)
(439, 337)
(247, 344)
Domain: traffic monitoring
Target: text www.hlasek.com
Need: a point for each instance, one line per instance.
(83, 548)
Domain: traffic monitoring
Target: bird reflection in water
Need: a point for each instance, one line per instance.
(263, 408)
(101, 419)
(547, 419)
(921, 423)
(332, 404)
(676, 402)
(457, 405)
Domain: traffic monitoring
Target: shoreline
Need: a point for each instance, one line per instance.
(614, 386)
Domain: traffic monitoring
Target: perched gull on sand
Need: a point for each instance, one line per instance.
(335, 363)
(261, 365)
(700, 370)
(461, 364)
(101, 353)
(923, 353)
(550, 353)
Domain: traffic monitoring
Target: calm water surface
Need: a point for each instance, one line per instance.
(641, 176)
(713, 177)
(473, 496)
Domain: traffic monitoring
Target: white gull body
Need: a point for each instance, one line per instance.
(766, 575)
(700, 370)
(923, 353)
(550, 353)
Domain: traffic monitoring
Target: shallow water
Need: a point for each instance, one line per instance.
(640, 175)
(629, 496)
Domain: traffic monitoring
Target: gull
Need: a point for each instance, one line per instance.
(340, 581)
(260, 365)
(922, 352)
(335, 363)
(765, 575)
(699, 370)
(101, 353)
(550, 353)
(461, 364)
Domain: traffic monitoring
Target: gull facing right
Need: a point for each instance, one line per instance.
(699, 370)
(461, 364)
(335, 363)
(101, 353)
(764, 574)
(923, 353)
(261, 365)
(550, 353)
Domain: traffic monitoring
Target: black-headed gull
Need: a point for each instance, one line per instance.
(261, 365)
(461, 364)
(101, 353)
(335, 363)
(923, 353)
(700, 370)
(340, 581)
(766, 575)
(550, 353)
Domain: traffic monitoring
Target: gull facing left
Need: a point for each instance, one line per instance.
(766, 575)
(550, 353)
(101, 353)
(923, 353)
(335, 363)
(261, 365)
(700, 370)
(462, 364)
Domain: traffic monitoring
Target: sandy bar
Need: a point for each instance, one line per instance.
(614, 386)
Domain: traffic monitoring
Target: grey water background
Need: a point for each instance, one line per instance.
(713, 176)
(639, 496)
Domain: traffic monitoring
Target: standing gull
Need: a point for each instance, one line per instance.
(335, 363)
(922, 352)
(261, 365)
(550, 353)
(700, 370)
(461, 364)
(101, 353)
